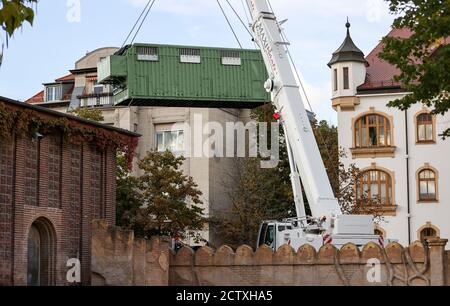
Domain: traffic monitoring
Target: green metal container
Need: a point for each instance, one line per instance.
(164, 75)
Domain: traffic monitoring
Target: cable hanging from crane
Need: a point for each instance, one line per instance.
(229, 24)
(242, 22)
(148, 7)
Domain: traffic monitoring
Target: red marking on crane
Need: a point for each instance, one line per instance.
(381, 241)
(327, 239)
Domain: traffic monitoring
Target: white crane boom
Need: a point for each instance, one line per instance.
(288, 101)
(306, 164)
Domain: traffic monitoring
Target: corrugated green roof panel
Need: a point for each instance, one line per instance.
(162, 76)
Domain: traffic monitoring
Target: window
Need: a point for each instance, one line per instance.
(425, 128)
(147, 54)
(53, 93)
(427, 233)
(270, 236)
(170, 140)
(231, 58)
(346, 78)
(372, 131)
(335, 78)
(97, 88)
(190, 56)
(427, 185)
(374, 187)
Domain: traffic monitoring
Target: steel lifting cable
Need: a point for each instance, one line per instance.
(229, 23)
(242, 22)
(147, 9)
(143, 20)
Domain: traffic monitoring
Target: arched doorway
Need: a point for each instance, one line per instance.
(41, 254)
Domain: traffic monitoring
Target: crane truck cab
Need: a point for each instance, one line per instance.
(298, 232)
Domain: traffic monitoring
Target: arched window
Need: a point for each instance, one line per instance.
(427, 233)
(373, 130)
(425, 128)
(374, 187)
(427, 185)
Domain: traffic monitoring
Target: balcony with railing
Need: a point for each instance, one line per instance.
(96, 100)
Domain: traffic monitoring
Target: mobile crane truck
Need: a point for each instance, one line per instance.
(327, 224)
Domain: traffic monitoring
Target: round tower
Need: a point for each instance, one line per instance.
(348, 71)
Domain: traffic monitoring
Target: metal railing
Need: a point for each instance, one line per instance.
(92, 100)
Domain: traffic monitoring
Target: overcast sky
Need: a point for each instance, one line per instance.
(315, 29)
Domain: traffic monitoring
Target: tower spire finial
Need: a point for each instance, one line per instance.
(348, 25)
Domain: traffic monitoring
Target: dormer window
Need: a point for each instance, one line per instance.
(53, 93)
(191, 56)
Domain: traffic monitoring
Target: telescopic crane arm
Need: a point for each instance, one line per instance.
(305, 159)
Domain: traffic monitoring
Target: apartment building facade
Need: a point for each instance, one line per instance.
(404, 162)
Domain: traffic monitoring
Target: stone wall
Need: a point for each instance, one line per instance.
(120, 259)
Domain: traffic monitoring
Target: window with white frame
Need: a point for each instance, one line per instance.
(191, 56)
(147, 54)
(231, 58)
(53, 93)
(171, 140)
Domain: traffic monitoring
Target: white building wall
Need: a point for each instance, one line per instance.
(437, 155)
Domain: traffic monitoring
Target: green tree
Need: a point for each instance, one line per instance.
(93, 114)
(169, 200)
(256, 195)
(128, 198)
(13, 13)
(424, 58)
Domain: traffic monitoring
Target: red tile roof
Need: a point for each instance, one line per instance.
(380, 74)
(37, 98)
(69, 77)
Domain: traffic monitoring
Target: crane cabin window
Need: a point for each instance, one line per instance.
(346, 78)
(372, 130)
(147, 54)
(191, 56)
(231, 58)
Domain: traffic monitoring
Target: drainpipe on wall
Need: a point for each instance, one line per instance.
(407, 178)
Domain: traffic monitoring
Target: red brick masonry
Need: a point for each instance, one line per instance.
(59, 187)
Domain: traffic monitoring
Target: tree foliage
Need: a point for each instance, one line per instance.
(163, 201)
(13, 13)
(93, 114)
(423, 58)
(256, 195)
(127, 192)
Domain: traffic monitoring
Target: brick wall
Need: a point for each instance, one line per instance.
(61, 188)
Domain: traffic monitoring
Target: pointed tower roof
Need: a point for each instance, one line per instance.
(348, 51)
